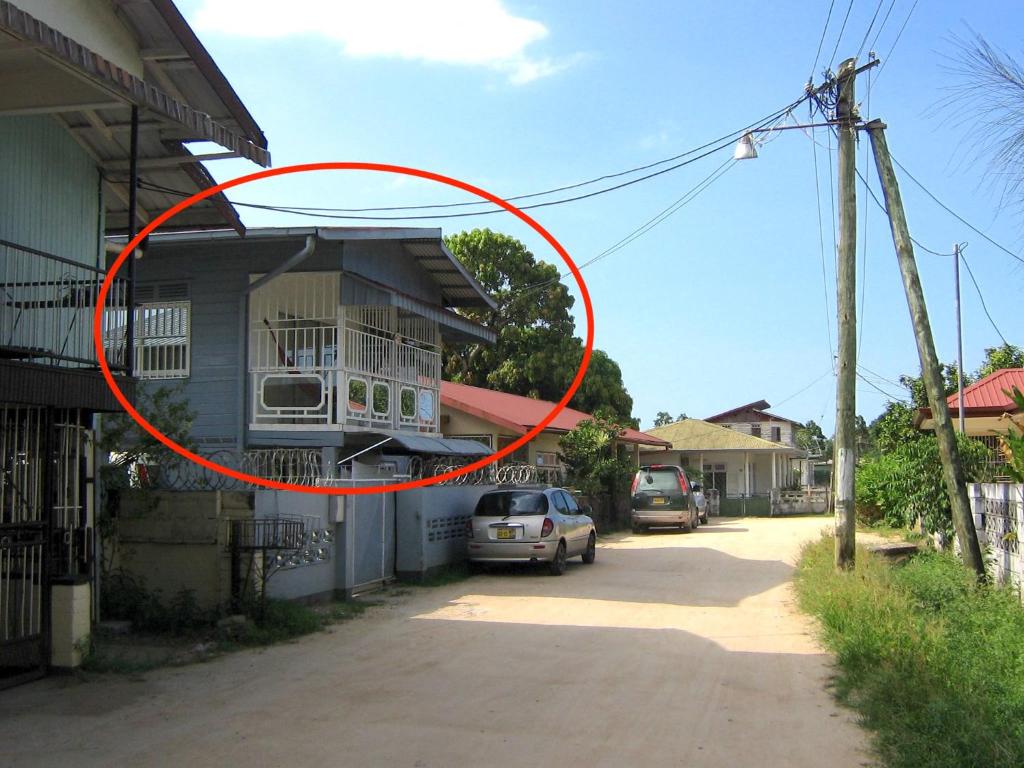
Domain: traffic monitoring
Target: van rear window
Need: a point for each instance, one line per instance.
(509, 503)
(665, 480)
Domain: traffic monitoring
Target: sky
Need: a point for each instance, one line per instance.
(731, 298)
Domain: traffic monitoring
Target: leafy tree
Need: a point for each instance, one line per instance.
(907, 483)
(536, 353)
(1011, 443)
(811, 439)
(997, 358)
(664, 418)
(991, 87)
(596, 465)
(894, 427)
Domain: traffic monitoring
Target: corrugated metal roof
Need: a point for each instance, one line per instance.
(698, 435)
(92, 97)
(988, 393)
(520, 414)
(438, 445)
(459, 287)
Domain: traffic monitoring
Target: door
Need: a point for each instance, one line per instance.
(574, 523)
(24, 600)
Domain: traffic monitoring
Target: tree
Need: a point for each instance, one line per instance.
(811, 439)
(997, 358)
(664, 418)
(894, 427)
(536, 353)
(596, 465)
(990, 92)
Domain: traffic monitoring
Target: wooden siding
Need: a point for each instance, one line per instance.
(49, 190)
(217, 274)
(787, 433)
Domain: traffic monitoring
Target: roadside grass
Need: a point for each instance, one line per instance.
(932, 661)
(890, 531)
(170, 642)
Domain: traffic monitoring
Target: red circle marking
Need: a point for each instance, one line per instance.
(340, 166)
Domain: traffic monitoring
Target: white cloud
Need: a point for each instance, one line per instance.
(461, 32)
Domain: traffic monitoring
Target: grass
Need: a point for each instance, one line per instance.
(932, 661)
(281, 621)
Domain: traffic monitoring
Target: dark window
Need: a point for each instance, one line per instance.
(777, 434)
(659, 480)
(569, 502)
(755, 430)
(511, 503)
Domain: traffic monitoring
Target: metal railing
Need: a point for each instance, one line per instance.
(46, 310)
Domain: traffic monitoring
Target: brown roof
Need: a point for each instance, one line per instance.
(758, 406)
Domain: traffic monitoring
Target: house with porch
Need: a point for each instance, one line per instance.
(497, 419)
(98, 103)
(748, 472)
(310, 356)
(986, 403)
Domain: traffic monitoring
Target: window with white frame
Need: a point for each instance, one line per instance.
(163, 331)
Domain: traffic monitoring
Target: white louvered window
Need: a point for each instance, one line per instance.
(163, 331)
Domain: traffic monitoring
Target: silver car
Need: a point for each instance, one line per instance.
(530, 526)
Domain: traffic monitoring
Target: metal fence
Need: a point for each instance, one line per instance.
(46, 309)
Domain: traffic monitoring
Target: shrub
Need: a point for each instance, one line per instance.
(932, 661)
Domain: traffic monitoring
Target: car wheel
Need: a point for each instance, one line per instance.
(557, 566)
(704, 519)
(591, 552)
(687, 526)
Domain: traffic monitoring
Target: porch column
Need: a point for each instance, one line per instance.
(746, 473)
(775, 482)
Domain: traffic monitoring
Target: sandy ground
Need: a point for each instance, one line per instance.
(672, 650)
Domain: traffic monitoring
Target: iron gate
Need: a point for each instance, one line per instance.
(44, 527)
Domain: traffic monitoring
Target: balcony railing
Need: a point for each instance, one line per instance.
(46, 310)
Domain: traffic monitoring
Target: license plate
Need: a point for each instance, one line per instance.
(659, 500)
(506, 533)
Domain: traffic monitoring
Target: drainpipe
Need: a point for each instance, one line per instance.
(133, 224)
(243, 329)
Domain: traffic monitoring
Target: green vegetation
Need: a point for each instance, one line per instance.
(537, 353)
(900, 485)
(1012, 441)
(176, 631)
(932, 661)
(595, 464)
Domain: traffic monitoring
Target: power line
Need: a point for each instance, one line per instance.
(870, 27)
(955, 215)
(981, 298)
(896, 41)
(824, 29)
(715, 145)
(840, 38)
(878, 389)
(882, 25)
(821, 249)
(879, 376)
(803, 389)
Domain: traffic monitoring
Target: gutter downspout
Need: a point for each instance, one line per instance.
(243, 329)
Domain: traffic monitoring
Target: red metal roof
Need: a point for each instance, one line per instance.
(988, 395)
(520, 414)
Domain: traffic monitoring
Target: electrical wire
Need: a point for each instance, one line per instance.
(839, 39)
(879, 389)
(879, 376)
(882, 25)
(896, 41)
(716, 144)
(982, 298)
(864, 238)
(821, 249)
(803, 389)
(824, 29)
(870, 27)
(955, 215)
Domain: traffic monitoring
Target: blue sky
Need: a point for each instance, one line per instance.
(724, 302)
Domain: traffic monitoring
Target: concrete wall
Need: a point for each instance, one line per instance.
(175, 540)
(315, 580)
(431, 526)
(998, 510)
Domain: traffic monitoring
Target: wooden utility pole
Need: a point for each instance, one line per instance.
(953, 474)
(844, 456)
(959, 341)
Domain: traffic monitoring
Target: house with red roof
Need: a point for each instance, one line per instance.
(497, 419)
(985, 402)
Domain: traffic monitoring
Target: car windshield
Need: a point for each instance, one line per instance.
(512, 503)
(665, 480)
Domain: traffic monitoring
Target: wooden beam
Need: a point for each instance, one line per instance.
(168, 162)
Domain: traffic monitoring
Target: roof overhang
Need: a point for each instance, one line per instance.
(446, 446)
(48, 73)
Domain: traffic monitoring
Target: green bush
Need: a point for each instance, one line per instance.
(901, 485)
(125, 597)
(932, 661)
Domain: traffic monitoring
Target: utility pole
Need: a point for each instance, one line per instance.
(844, 456)
(959, 340)
(953, 474)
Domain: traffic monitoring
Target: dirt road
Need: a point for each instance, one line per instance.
(671, 650)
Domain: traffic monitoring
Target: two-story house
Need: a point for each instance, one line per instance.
(97, 102)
